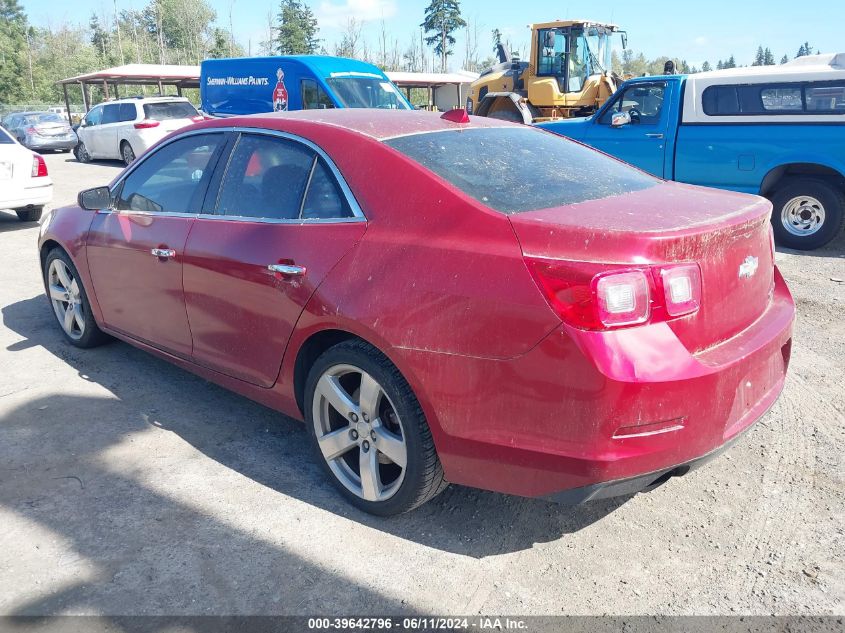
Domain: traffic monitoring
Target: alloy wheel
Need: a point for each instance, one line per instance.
(66, 298)
(359, 433)
(802, 216)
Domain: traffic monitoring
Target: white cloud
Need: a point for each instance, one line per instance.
(331, 14)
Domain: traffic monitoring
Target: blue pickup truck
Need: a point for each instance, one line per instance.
(251, 85)
(775, 131)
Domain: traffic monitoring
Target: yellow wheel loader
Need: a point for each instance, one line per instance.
(568, 74)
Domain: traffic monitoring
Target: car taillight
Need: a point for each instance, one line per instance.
(681, 289)
(146, 124)
(198, 118)
(596, 297)
(32, 131)
(39, 167)
(622, 298)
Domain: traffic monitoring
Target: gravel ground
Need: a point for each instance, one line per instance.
(128, 486)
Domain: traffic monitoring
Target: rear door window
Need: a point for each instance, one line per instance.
(111, 114)
(162, 111)
(516, 169)
(314, 97)
(127, 112)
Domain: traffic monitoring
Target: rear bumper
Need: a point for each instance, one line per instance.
(23, 197)
(602, 412)
(47, 143)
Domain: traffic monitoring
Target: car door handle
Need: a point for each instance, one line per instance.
(654, 135)
(289, 270)
(164, 253)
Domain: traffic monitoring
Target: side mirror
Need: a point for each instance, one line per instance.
(624, 35)
(95, 199)
(620, 119)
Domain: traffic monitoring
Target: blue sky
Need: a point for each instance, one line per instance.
(695, 31)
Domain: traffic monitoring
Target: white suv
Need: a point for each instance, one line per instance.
(126, 128)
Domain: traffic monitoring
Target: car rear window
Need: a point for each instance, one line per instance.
(169, 110)
(516, 169)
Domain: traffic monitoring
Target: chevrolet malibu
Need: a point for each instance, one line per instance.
(439, 298)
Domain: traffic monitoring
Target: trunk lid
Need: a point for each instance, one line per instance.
(726, 233)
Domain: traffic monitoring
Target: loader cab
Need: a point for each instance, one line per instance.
(571, 54)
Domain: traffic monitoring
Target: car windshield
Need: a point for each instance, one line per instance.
(49, 117)
(169, 110)
(516, 169)
(366, 92)
(5, 139)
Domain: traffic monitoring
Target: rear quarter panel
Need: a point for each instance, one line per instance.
(738, 157)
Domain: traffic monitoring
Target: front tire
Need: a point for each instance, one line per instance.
(69, 301)
(81, 153)
(807, 214)
(369, 432)
(31, 214)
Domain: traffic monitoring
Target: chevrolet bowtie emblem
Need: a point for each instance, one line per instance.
(748, 268)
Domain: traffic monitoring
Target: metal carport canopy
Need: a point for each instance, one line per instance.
(133, 75)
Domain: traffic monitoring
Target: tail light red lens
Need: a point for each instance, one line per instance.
(198, 118)
(146, 124)
(681, 289)
(596, 297)
(39, 167)
(32, 131)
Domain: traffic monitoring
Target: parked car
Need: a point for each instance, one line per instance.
(776, 131)
(126, 128)
(542, 321)
(253, 85)
(25, 185)
(41, 131)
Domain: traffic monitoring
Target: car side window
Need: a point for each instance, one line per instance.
(94, 116)
(173, 179)
(644, 102)
(324, 199)
(127, 112)
(266, 178)
(111, 114)
(314, 97)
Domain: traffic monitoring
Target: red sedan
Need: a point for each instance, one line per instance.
(439, 298)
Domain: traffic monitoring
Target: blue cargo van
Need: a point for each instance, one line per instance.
(250, 85)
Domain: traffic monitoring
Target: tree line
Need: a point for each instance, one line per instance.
(33, 58)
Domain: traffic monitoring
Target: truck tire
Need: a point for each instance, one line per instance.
(808, 213)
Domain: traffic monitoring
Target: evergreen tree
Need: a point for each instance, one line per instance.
(297, 31)
(442, 18)
(784, 59)
(768, 58)
(13, 52)
(731, 63)
(497, 39)
(720, 65)
(759, 58)
(706, 67)
(805, 49)
(99, 37)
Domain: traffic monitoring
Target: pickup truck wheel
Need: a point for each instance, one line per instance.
(31, 214)
(807, 214)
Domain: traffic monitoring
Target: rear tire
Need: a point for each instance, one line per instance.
(63, 286)
(394, 424)
(808, 213)
(127, 153)
(32, 214)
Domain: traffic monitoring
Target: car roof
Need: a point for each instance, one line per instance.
(374, 123)
(320, 65)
